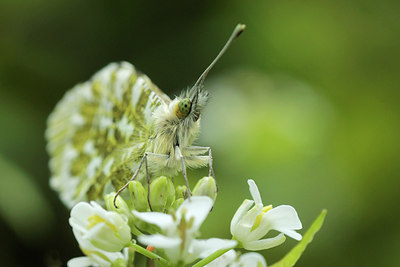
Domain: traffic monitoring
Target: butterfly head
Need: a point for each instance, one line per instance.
(191, 104)
(183, 108)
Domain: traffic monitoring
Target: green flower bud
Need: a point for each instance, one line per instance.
(138, 196)
(206, 186)
(180, 191)
(123, 207)
(119, 263)
(162, 193)
(175, 205)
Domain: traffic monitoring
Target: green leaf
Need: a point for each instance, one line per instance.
(293, 256)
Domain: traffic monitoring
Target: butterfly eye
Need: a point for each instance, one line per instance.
(184, 107)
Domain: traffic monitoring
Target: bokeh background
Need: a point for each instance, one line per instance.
(305, 103)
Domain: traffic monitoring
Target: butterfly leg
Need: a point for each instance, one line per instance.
(144, 159)
(210, 164)
(132, 178)
(148, 181)
(154, 155)
(179, 155)
(196, 151)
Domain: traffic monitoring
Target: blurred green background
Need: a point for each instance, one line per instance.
(305, 103)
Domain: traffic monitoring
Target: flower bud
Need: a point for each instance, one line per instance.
(138, 196)
(180, 191)
(206, 186)
(120, 262)
(122, 206)
(162, 193)
(175, 205)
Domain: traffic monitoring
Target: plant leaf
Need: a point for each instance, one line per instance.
(293, 256)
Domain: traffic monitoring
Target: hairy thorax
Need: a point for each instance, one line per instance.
(170, 134)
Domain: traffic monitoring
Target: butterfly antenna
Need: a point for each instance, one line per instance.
(235, 34)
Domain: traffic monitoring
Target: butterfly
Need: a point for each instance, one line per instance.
(103, 130)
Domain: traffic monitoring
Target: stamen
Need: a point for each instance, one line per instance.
(96, 219)
(257, 221)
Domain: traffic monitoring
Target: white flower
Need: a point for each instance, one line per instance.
(179, 231)
(101, 258)
(224, 260)
(251, 259)
(249, 225)
(229, 259)
(104, 230)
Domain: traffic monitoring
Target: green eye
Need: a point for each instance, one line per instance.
(184, 106)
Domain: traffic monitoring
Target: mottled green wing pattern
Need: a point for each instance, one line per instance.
(99, 131)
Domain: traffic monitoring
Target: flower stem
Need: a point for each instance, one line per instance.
(151, 255)
(212, 257)
(131, 256)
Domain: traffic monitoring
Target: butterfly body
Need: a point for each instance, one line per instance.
(102, 131)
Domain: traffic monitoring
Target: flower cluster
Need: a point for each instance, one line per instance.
(169, 222)
(101, 235)
(178, 231)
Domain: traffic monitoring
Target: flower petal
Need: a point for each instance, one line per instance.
(81, 212)
(241, 211)
(254, 191)
(204, 248)
(224, 260)
(103, 238)
(80, 262)
(265, 243)
(76, 223)
(243, 228)
(293, 234)
(83, 242)
(105, 214)
(252, 259)
(160, 241)
(114, 256)
(260, 231)
(283, 217)
(101, 258)
(162, 220)
(197, 207)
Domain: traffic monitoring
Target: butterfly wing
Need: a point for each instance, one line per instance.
(99, 131)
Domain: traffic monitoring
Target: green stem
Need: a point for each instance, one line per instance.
(151, 255)
(131, 256)
(212, 257)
